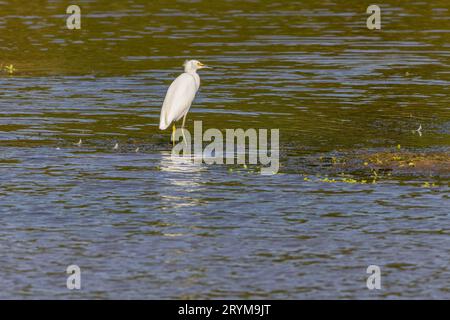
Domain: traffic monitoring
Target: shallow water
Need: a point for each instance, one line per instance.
(141, 225)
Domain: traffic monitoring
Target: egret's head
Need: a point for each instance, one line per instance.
(193, 65)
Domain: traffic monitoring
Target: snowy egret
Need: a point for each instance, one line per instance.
(180, 95)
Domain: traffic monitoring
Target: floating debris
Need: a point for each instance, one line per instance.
(173, 234)
(428, 185)
(419, 130)
(116, 147)
(10, 69)
(79, 143)
(340, 180)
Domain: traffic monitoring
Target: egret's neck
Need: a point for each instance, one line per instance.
(190, 70)
(194, 75)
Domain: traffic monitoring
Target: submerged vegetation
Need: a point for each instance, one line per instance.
(402, 162)
(371, 167)
(394, 162)
(411, 161)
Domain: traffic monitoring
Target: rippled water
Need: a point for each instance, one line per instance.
(141, 225)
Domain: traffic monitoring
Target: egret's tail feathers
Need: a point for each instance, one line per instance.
(163, 125)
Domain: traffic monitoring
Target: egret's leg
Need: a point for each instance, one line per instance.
(173, 134)
(182, 128)
(184, 120)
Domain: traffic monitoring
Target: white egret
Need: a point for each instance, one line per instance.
(180, 95)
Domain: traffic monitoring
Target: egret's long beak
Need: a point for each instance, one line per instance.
(203, 66)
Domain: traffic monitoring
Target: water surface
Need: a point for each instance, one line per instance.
(141, 225)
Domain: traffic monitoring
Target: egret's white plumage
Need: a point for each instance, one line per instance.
(180, 94)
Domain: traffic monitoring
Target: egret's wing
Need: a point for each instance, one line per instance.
(178, 99)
